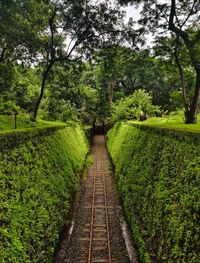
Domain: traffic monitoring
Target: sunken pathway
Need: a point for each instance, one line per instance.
(97, 234)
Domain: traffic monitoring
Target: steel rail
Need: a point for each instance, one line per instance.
(106, 209)
(93, 204)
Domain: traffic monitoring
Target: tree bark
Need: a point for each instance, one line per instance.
(191, 115)
(44, 80)
(181, 76)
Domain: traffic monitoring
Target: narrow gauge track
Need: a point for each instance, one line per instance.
(96, 233)
(99, 248)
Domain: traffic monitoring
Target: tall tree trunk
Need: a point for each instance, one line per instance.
(181, 77)
(44, 80)
(191, 115)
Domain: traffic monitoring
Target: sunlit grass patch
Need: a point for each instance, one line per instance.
(170, 122)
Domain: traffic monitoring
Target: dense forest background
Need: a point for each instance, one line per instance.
(63, 60)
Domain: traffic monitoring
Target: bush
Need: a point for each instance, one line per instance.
(137, 106)
(38, 175)
(158, 177)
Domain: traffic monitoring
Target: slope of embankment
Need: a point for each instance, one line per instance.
(39, 171)
(158, 178)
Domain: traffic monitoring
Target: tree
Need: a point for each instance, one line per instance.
(172, 50)
(191, 38)
(22, 24)
(120, 71)
(71, 93)
(182, 19)
(26, 86)
(10, 108)
(85, 25)
(20, 84)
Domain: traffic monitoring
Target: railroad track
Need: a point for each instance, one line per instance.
(97, 235)
(95, 240)
(99, 247)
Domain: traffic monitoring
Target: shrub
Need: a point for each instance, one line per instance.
(38, 175)
(158, 177)
(136, 106)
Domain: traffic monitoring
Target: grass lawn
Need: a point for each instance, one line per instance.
(175, 122)
(23, 123)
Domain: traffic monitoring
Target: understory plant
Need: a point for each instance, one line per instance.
(136, 106)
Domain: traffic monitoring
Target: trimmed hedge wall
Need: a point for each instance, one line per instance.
(38, 175)
(158, 178)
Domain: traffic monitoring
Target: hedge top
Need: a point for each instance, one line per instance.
(172, 123)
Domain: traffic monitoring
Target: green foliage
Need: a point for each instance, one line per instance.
(61, 110)
(120, 71)
(21, 90)
(22, 23)
(181, 19)
(176, 98)
(158, 179)
(39, 172)
(69, 96)
(26, 86)
(136, 106)
(6, 77)
(165, 49)
(9, 108)
(88, 161)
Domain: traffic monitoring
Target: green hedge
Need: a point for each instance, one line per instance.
(38, 175)
(158, 177)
